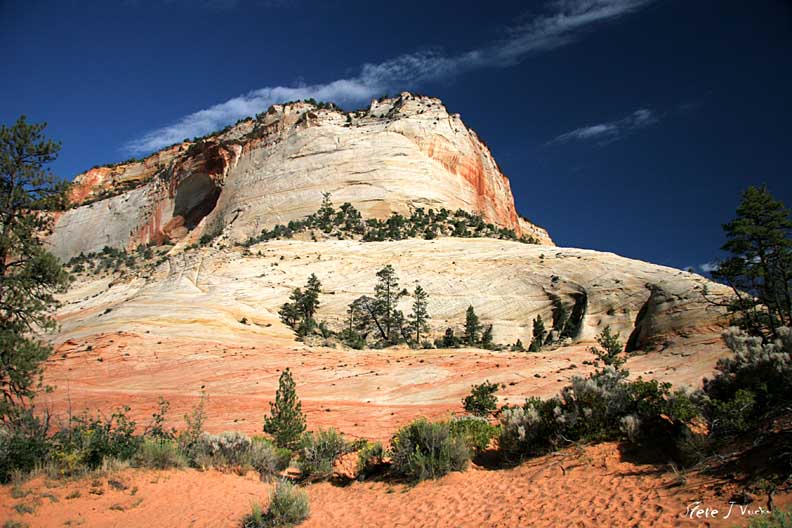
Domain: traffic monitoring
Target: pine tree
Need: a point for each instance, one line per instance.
(539, 334)
(472, 327)
(760, 270)
(610, 349)
(486, 337)
(420, 314)
(300, 312)
(286, 422)
(29, 275)
(387, 296)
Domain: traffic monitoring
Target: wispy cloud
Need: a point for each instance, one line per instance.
(709, 267)
(611, 130)
(562, 22)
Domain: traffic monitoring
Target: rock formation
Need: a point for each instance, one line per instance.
(399, 154)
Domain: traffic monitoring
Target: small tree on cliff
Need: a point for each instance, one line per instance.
(609, 352)
(286, 422)
(472, 327)
(386, 298)
(539, 334)
(299, 313)
(419, 315)
(29, 275)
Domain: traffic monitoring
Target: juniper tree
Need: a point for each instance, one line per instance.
(420, 314)
(760, 268)
(472, 327)
(286, 422)
(539, 334)
(29, 275)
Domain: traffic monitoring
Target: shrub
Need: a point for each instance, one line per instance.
(159, 454)
(527, 430)
(89, 440)
(476, 431)
(229, 449)
(760, 368)
(319, 452)
(775, 519)
(288, 507)
(424, 450)
(23, 443)
(370, 458)
(482, 400)
(267, 459)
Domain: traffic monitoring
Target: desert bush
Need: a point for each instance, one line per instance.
(528, 429)
(89, 440)
(267, 459)
(758, 371)
(482, 400)
(476, 431)
(229, 449)
(319, 452)
(23, 445)
(424, 450)
(775, 519)
(288, 507)
(159, 454)
(370, 458)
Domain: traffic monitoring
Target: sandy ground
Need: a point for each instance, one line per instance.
(590, 487)
(367, 393)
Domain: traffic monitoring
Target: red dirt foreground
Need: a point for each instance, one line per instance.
(584, 487)
(364, 394)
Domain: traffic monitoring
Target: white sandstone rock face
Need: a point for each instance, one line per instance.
(204, 293)
(400, 154)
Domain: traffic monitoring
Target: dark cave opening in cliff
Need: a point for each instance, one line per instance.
(196, 197)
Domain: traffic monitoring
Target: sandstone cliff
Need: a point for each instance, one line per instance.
(399, 154)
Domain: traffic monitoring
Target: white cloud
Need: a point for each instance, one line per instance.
(611, 130)
(709, 267)
(563, 22)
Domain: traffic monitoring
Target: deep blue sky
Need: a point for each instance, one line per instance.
(633, 134)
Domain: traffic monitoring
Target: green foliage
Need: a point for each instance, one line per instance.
(420, 315)
(750, 388)
(760, 268)
(539, 335)
(228, 449)
(370, 459)
(476, 432)
(30, 277)
(449, 340)
(387, 317)
(267, 459)
(157, 453)
(288, 507)
(472, 327)
(482, 400)
(486, 338)
(610, 349)
(24, 443)
(299, 313)
(347, 222)
(89, 440)
(286, 422)
(194, 423)
(318, 453)
(424, 450)
(775, 519)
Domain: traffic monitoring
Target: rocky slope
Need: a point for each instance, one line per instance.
(399, 154)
